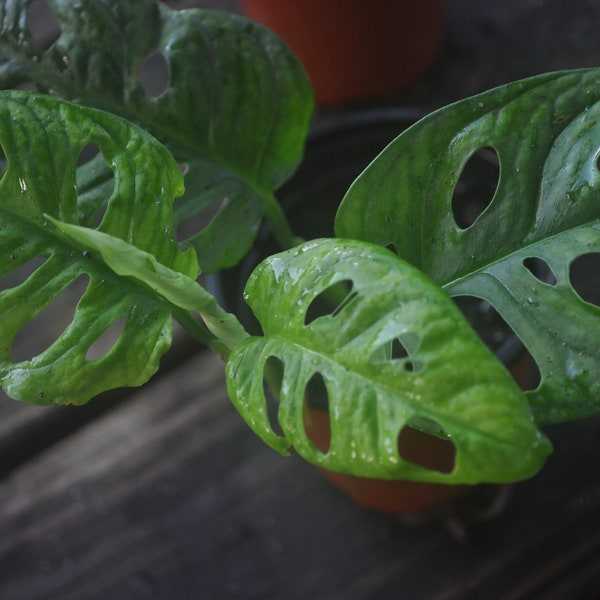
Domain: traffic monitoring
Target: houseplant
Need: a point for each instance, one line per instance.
(233, 127)
(336, 153)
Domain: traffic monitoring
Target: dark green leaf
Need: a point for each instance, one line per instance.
(234, 111)
(546, 207)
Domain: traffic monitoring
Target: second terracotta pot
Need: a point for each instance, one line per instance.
(353, 49)
(394, 496)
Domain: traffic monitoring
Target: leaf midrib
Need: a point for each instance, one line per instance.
(418, 409)
(458, 279)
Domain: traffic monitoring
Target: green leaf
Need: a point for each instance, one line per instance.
(42, 138)
(546, 207)
(175, 287)
(454, 381)
(234, 112)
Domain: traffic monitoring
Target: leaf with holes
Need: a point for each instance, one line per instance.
(546, 207)
(449, 378)
(233, 108)
(42, 138)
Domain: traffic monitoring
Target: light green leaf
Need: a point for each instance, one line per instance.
(42, 138)
(175, 287)
(453, 381)
(234, 111)
(546, 208)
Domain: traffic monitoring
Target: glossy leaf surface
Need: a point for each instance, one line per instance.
(454, 381)
(42, 138)
(546, 208)
(233, 108)
(175, 287)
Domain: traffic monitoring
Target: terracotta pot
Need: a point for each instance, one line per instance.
(353, 49)
(399, 497)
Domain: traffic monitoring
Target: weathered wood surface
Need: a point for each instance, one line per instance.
(167, 494)
(171, 496)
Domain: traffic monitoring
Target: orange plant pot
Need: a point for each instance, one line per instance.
(354, 49)
(393, 496)
(403, 496)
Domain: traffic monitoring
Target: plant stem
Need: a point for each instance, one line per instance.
(200, 332)
(225, 326)
(280, 226)
(221, 330)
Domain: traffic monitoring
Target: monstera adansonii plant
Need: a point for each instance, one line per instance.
(231, 121)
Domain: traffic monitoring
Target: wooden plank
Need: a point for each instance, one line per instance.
(171, 496)
(26, 430)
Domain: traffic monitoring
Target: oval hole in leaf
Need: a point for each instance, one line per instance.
(95, 184)
(42, 24)
(87, 154)
(476, 186)
(500, 338)
(44, 329)
(331, 301)
(21, 273)
(401, 348)
(189, 221)
(107, 339)
(154, 74)
(3, 162)
(272, 378)
(423, 442)
(315, 412)
(540, 269)
(525, 371)
(485, 320)
(584, 275)
(398, 350)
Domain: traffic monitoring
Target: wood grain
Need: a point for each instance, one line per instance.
(171, 496)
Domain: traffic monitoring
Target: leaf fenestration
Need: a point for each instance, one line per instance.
(459, 385)
(234, 103)
(546, 133)
(42, 138)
